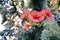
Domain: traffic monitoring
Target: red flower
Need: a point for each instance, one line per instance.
(48, 14)
(25, 14)
(36, 16)
(27, 26)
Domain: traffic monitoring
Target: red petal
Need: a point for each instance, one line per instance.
(24, 11)
(41, 18)
(48, 14)
(27, 26)
(36, 14)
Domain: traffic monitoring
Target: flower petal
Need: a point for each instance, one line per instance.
(35, 20)
(51, 17)
(36, 16)
(41, 18)
(24, 14)
(24, 11)
(27, 26)
(48, 14)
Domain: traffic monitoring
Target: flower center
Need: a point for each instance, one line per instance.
(48, 14)
(36, 15)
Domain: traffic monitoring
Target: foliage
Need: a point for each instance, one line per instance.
(22, 3)
(1, 1)
(50, 30)
(44, 30)
(37, 4)
(33, 34)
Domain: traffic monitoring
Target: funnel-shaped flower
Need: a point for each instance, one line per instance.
(48, 14)
(36, 16)
(27, 26)
(25, 14)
